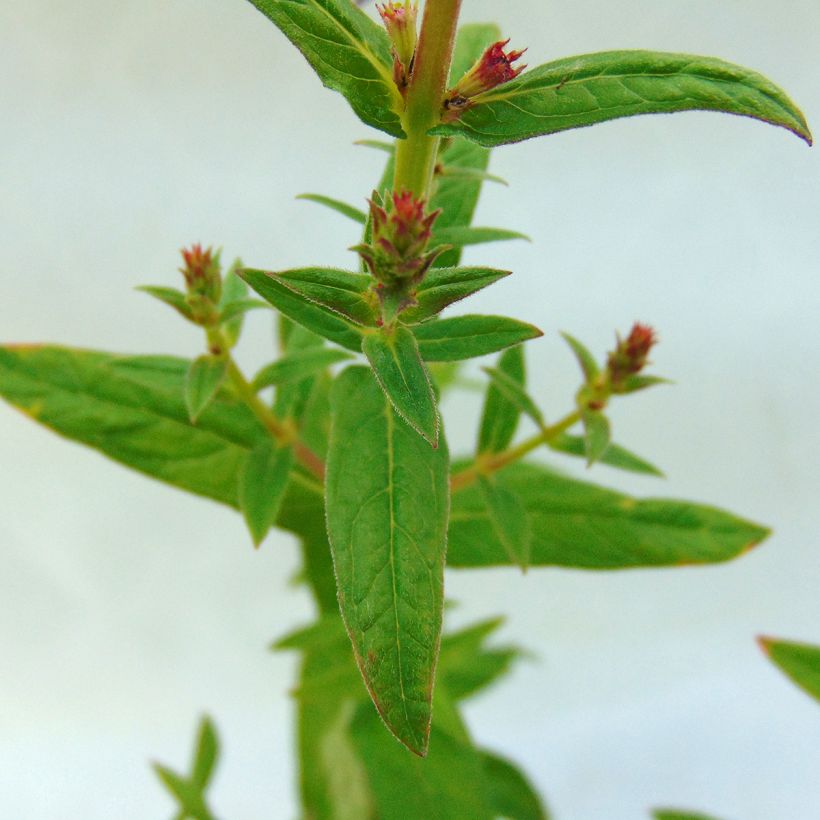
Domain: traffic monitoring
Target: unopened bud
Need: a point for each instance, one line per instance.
(631, 354)
(400, 21)
(203, 281)
(493, 68)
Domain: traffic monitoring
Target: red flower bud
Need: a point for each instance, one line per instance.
(202, 272)
(400, 21)
(631, 354)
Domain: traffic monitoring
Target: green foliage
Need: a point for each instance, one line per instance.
(614, 455)
(593, 88)
(675, 814)
(465, 337)
(204, 377)
(337, 205)
(508, 519)
(799, 661)
(262, 485)
(459, 236)
(580, 525)
(388, 542)
(597, 435)
(501, 413)
(510, 793)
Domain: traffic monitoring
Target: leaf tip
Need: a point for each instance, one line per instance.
(765, 644)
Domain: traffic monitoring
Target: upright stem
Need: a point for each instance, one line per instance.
(416, 155)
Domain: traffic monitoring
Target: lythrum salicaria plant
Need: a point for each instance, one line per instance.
(340, 439)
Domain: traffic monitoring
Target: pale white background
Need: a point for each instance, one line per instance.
(126, 608)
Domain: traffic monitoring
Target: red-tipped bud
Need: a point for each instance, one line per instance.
(202, 272)
(494, 68)
(631, 354)
(400, 21)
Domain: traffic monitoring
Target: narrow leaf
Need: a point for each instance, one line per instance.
(581, 525)
(262, 485)
(470, 173)
(297, 366)
(349, 52)
(337, 205)
(313, 317)
(233, 304)
(461, 235)
(592, 88)
(465, 337)
(635, 383)
(799, 661)
(444, 286)
(388, 543)
(170, 296)
(586, 360)
(341, 291)
(613, 456)
(400, 372)
(378, 145)
(205, 754)
(678, 814)
(511, 794)
(514, 392)
(205, 376)
(508, 519)
(237, 309)
(188, 795)
(597, 435)
(499, 418)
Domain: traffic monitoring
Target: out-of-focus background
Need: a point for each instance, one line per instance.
(127, 608)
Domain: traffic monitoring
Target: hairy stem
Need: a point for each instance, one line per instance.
(416, 155)
(489, 464)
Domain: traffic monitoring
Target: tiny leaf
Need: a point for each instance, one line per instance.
(388, 542)
(613, 456)
(206, 753)
(579, 91)
(799, 661)
(297, 366)
(597, 435)
(460, 236)
(465, 337)
(634, 383)
(262, 485)
(586, 360)
(234, 310)
(400, 372)
(509, 520)
(514, 392)
(171, 296)
(233, 304)
(205, 376)
(678, 814)
(337, 205)
(499, 419)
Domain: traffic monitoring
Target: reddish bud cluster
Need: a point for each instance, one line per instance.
(631, 354)
(494, 67)
(400, 21)
(201, 271)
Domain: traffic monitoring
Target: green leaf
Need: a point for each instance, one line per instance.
(471, 42)
(597, 435)
(465, 337)
(339, 290)
(262, 485)
(298, 366)
(132, 409)
(444, 286)
(233, 304)
(635, 383)
(586, 360)
(614, 455)
(337, 205)
(515, 393)
(188, 795)
(456, 197)
(349, 52)
(461, 235)
(204, 378)
(170, 296)
(580, 525)
(578, 91)
(470, 173)
(510, 792)
(400, 372)
(799, 661)
(467, 666)
(313, 317)
(508, 519)
(206, 753)
(378, 145)
(387, 498)
(499, 419)
(677, 814)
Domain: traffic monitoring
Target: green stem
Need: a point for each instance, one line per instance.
(416, 155)
(487, 465)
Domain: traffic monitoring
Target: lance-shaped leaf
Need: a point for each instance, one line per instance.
(298, 365)
(581, 525)
(800, 661)
(132, 409)
(170, 296)
(387, 499)
(234, 304)
(510, 792)
(262, 485)
(499, 418)
(508, 519)
(444, 286)
(592, 88)
(597, 435)
(613, 456)
(586, 361)
(349, 52)
(314, 317)
(337, 205)
(680, 814)
(465, 337)
(205, 376)
(394, 356)
(460, 236)
(341, 291)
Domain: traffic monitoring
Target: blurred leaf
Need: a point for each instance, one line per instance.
(262, 485)
(206, 753)
(511, 794)
(297, 366)
(234, 304)
(514, 392)
(675, 814)
(614, 455)
(597, 435)
(579, 91)
(509, 520)
(170, 296)
(465, 337)
(461, 235)
(581, 525)
(586, 360)
(499, 418)
(337, 205)
(205, 376)
(799, 661)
